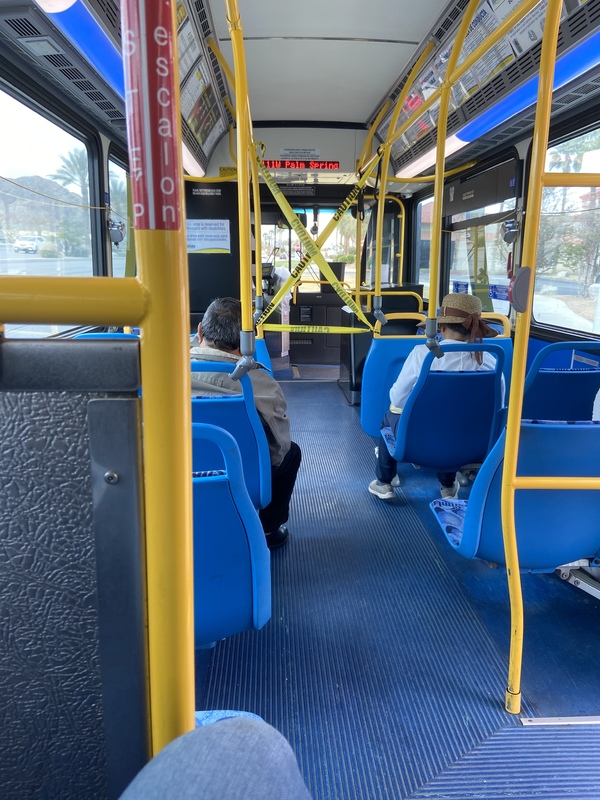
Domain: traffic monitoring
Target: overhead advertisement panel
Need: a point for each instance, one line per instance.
(201, 108)
(489, 15)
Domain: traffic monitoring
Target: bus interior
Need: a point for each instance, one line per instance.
(339, 168)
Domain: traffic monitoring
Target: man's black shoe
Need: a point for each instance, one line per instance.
(278, 537)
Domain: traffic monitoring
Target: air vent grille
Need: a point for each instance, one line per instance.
(33, 37)
(203, 20)
(109, 13)
(72, 74)
(85, 85)
(448, 23)
(23, 27)
(58, 60)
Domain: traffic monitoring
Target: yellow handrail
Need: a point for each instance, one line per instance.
(523, 321)
(243, 140)
(438, 192)
(155, 301)
(385, 165)
(415, 316)
(494, 316)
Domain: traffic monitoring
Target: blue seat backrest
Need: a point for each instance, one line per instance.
(238, 415)
(106, 335)
(553, 526)
(506, 343)
(560, 394)
(383, 363)
(261, 354)
(232, 571)
(452, 418)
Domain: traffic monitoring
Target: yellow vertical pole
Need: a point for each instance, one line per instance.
(438, 192)
(523, 322)
(358, 258)
(368, 145)
(153, 124)
(385, 165)
(243, 167)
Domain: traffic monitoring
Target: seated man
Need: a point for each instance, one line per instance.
(459, 320)
(219, 340)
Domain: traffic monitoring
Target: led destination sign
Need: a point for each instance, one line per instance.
(308, 164)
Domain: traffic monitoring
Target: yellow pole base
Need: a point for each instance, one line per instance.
(512, 702)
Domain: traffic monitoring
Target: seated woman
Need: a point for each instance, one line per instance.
(459, 320)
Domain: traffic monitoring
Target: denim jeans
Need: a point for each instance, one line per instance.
(239, 758)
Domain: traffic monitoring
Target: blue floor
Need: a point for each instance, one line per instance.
(384, 663)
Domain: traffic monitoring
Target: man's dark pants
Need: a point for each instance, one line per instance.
(283, 479)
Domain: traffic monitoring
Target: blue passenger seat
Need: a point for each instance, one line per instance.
(558, 394)
(553, 526)
(232, 573)
(237, 414)
(261, 354)
(383, 363)
(450, 418)
(107, 335)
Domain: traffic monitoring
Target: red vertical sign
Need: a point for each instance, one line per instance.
(150, 100)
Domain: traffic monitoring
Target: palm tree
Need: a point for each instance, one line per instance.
(74, 171)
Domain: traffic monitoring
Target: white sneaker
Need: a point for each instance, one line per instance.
(450, 492)
(377, 451)
(462, 478)
(396, 480)
(384, 491)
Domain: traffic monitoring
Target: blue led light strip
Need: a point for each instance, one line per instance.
(570, 66)
(82, 29)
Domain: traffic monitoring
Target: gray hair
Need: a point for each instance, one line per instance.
(222, 323)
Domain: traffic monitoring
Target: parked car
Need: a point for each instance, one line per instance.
(28, 244)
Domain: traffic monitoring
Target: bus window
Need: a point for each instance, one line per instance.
(44, 201)
(122, 258)
(567, 281)
(423, 242)
(480, 258)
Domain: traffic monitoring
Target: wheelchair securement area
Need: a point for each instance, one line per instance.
(384, 662)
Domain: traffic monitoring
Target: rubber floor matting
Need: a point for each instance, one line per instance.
(375, 665)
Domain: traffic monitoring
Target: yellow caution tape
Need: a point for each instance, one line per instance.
(313, 328)
(310, 247)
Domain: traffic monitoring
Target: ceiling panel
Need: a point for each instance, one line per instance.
(330, 85)
(330, 61)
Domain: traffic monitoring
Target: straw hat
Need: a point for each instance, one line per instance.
(458, 306)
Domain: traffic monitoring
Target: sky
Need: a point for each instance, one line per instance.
(31, 145)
